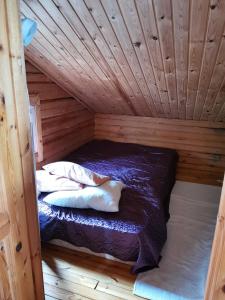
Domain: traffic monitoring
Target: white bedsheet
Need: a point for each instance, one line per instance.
(183, 269)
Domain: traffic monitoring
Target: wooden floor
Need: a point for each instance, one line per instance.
(77, 276)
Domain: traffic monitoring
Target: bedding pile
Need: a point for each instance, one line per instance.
(77, 187)
(137, 232)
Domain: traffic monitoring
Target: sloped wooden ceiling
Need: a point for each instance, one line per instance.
(160, 58)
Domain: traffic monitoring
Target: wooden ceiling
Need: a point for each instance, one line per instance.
(160, 58)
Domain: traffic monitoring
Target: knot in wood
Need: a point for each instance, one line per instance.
(18, 247)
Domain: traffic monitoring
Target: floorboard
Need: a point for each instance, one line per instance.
(75, 275)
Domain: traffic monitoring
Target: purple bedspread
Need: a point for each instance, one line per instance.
(138, 231)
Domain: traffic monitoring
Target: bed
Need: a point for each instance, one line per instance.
(138, 231)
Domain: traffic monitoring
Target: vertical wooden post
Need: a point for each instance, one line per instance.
(20, 260)
(215, 287)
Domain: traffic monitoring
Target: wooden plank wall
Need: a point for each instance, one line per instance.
(215, 287)
(66, 124)
(20, 259)
(200, 145)
(155, 58)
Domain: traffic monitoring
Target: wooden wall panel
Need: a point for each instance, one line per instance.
(155, 58)
(66, 124)
(215, 287)
(20, 259)
(200, 144)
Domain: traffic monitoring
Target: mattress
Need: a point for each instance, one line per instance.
(138, 231)
(183, 269)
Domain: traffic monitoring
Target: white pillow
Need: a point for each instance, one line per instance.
(105, 197)
(76, 172)
(46, 182)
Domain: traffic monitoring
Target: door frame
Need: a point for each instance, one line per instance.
(20, 235)
(215, 286)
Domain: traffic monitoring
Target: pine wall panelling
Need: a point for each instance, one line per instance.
(66, 124)
(153, 58)
(200, 145)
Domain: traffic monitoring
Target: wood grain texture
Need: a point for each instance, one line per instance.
(200, 144)
(35, 101)
(4, 225)
(74, 275)
(20, 262)
(66, 124)
(155, 58)
(5, 292)
(215, 288)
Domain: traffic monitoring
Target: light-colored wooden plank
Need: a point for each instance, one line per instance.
(200, 144)
(89, 276)
(69, 273)
(92, 37)
(198, 26)
(88, 125)
(181, 39)
(214, 102)
(66, 142)
(147, 18)
(81, 93)
(116, 291)
(89, 266)
(66, 124)
(146, 58)
(56, 42)
(216, 125)
(5, 292)
(79, 73)
(61, 153)
(217, 112)
(131, 18)
(100, 18)
(163, 12)
(22, 255)
(72, 119)
(78, 289)
(4, 225)
(38, 60)
(155, 142)
(63, 294)
(35, 101)
(215, 287)
(113, 12)
(215, 29)
(77, 43)
(46, 90)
